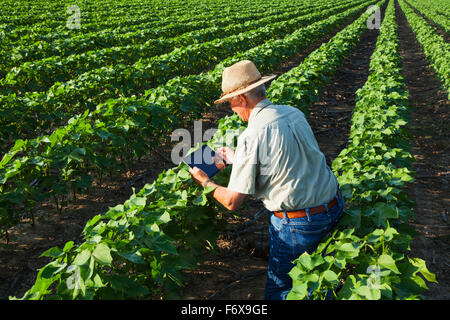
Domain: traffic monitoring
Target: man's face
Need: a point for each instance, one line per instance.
(239, 104)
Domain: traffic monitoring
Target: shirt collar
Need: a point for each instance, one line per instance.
(257, 108)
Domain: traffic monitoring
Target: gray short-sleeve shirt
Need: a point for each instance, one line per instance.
(277, 159)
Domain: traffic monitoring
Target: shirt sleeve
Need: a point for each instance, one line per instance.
(245, 166)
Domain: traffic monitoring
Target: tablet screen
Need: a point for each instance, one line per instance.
(202, 158)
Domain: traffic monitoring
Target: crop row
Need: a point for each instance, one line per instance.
(43, 35)
(16, 8)
(39, 75)
(93, 144)
(29, 49)
(39, 111)
(367, 255)
(429, 10)
(435, 48)
(57, 16)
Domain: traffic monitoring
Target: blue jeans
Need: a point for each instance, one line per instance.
(289, 238)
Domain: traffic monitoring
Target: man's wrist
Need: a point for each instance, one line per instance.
(205, 183)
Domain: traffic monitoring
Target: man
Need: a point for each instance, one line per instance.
(277, 159)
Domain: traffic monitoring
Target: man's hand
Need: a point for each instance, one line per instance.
(219, 162)
(226, 153)
(198, 175)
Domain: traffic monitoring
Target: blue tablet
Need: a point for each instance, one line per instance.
(202, 158)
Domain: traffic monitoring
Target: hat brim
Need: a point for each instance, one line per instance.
(246, 89)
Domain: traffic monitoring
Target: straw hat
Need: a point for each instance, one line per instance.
(239, 78)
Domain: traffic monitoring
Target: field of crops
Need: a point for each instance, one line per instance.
(92, 207)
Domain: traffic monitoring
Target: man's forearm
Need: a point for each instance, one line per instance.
(228, 198)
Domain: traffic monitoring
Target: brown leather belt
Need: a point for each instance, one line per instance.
(314, 210)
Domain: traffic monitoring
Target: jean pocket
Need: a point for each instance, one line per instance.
(307, 237)
(279, 232)
(313, 229)
(276, 223)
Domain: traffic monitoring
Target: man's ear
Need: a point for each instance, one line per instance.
(243, 100)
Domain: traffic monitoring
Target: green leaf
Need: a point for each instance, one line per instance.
(165, 217)
(82, 257)
(386, 261)
(152, 228)
(127, 286)
(51, 269)
(102, 253)
(310, 261)
(133, 256)
(68, 246)
(184, 174)
(346, 292)
(348, 247)
(201, 200)
(330, 276)
(161, 243)
(75, 281)
(209, 189)
(369, 293)
(375, 235)
(137, 201)
(54, 252)
(74, 155)
(389, 233)
(298, 292)
(419, 263)
(383, 212)
(81, 151)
